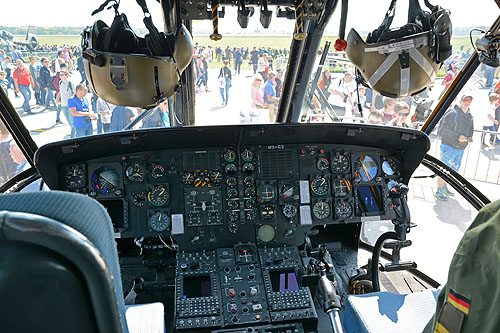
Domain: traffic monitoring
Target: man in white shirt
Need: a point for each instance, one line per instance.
(262, 65)
(341, 92)
(66, 91)
(489, 120)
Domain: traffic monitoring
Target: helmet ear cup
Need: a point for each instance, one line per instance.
(99, 32)
(120, 38)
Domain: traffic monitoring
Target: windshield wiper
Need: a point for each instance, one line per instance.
(139, 118)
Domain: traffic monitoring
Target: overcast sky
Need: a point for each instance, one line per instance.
(363, 14)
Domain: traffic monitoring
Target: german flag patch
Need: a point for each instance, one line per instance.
(452, 315)
(460, 302)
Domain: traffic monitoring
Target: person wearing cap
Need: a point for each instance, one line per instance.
(340, 94)
(270, 95)
(34, 75)
(456, 129)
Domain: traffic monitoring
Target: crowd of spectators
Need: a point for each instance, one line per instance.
(59, 83)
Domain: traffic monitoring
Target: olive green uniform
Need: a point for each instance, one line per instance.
(470, 300)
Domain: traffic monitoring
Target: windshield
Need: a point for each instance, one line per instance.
(239, 79)
(230, 76)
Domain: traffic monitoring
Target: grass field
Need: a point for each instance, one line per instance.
(279, 42)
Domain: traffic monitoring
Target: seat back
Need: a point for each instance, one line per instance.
(59, 265)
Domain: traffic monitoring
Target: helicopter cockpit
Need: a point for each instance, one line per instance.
(254, 227)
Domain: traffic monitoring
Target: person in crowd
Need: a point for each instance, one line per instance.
(388, 111)
(489, 74)
(66, 91)
(254, 59)
(449, 78)
(43, 93)
(225, 72)
(228, 53)
(58, 61)
(79, 108)
(263, 66)
(16, 54)
(222, 89)
(2, 58)
(325, 79)
(270, 96)
(205, 72)
(402, 110)
(160, 117)
(46, 83)
(341, 91)
(456, 130)
(22, 83)
(359, 100)
(375, 117)
(120, 118)
(256, 92)
(81, 69)
(279, 82)
(104, 110)
(238, 59)
(489, 119)
(496, 140)
(7, 165)
(3, 82)
(8, 70)
(34, 76)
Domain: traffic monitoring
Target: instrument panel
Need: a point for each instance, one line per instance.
(260, 193)
(208, 187)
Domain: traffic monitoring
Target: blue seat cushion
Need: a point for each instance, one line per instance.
(388, 312)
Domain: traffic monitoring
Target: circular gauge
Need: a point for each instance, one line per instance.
(105, 180)
(74, 176)
(343, 210)
(321, 210)
(251, 215)
(187, 178)
(365, 168)
(390, 167)
(286, 191)
(250, 203)
(320, 186)
(340, 163)
(234, 215)
(289, 210)
(250, 192)
(249, 181)
(138, 198)
(247, 155)
(135, 172)
(341, 187)
(266, 193)
(158, 195)
(248, 167)
(245, 255)
(216, 177)
(233, 227)
(266, 233)
(267, 212)
(201, 179)
(229, 155)
(232, 204)
(159, 222)
(232, 193)
(322, 164)
(231, 181)
(157, 171)
(231, 168)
